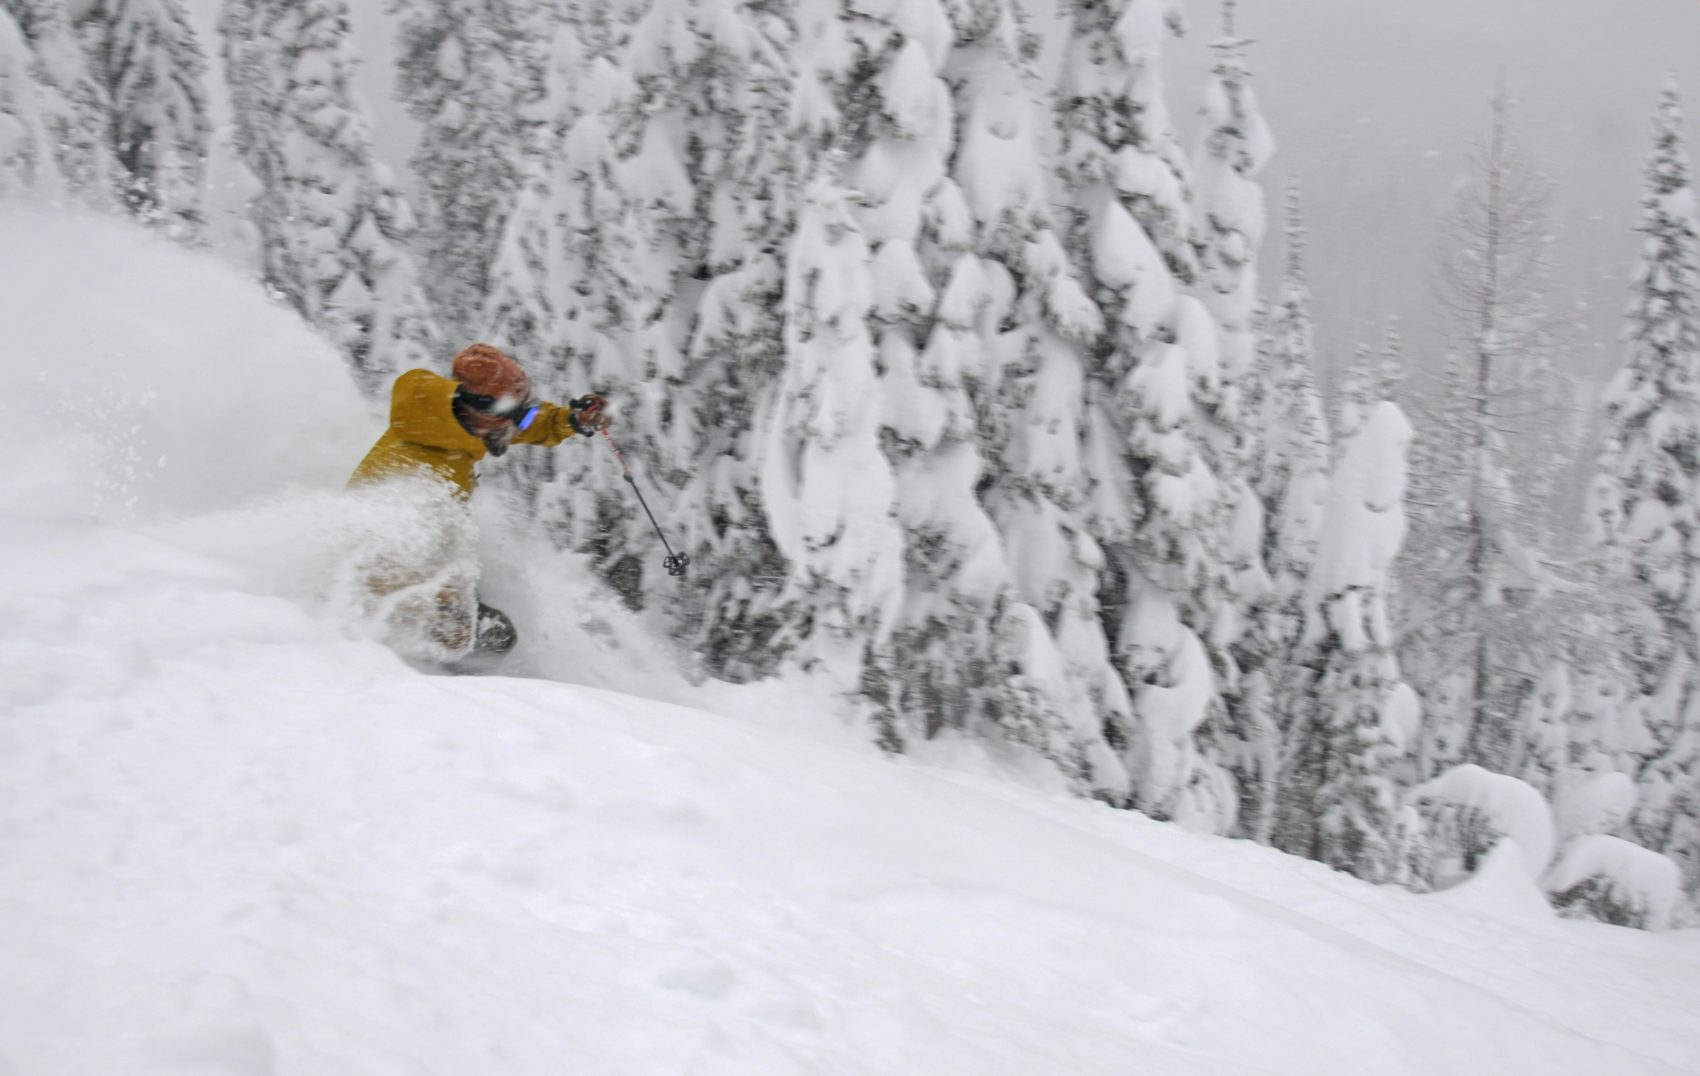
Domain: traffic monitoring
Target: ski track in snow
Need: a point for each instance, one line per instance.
(236, 840)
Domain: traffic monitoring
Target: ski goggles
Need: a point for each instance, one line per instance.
(522, 414)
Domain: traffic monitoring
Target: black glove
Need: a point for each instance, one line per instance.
(589, 414)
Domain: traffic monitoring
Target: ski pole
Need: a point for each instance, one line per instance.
(675, 563)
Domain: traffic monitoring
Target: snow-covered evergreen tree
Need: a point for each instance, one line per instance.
(532, 285)
(1156, 507)
(473, 73)
(332, 221)
(1596, 873)
(1038, 485)
(146, 59)
(1542, 756)
(967, 259)
(683, 203)
(570, 287)
(1234, 150)
(1116, 126)
(1289, 476)
(1471, 814)
(1013, 326)
(1337, 799)
(731, 116)
(68, 103)
(829, 495)
(1614, 881)
(895, 125)
(1645, 501)
(1229, 208)
(645, 260)
(27, 161)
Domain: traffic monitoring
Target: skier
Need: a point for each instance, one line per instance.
(440, 427)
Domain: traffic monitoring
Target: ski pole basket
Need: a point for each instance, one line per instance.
(675, 563)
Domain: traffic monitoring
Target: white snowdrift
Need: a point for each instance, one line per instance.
(235, 837)
(232, 840)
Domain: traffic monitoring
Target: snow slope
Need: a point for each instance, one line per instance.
(238, 836)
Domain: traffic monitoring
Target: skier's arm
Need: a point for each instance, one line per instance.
(552, 425)
(555, 423)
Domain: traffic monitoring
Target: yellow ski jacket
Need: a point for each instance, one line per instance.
(425, 437)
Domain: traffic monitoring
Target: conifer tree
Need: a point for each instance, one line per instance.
(530, 302)
(1116, 123)
(71, 106)
(749, 155)
(829, 496)
(973, 652)
(1337, 799)
(1290, 478)
(1542, 759)
(27, 161)
(895, 126)
(994, 223)
(694, 169)
(568, 292)
(1644, 498)
(1229, 208)
(521, 308)
(1478, 624)
(525, 305)
(332, 222)
(473, 73)
(1290, 475)
(1157, 509)
(146, 60)
(645, 259)
(1038, 493)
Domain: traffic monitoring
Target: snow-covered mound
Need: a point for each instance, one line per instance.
(237, 837)
(232, 840)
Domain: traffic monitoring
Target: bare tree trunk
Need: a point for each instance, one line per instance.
(1483, 738)
(1471, 562)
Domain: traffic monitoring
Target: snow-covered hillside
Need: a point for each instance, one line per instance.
(238, 836)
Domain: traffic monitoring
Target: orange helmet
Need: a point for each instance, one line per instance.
(485, 371)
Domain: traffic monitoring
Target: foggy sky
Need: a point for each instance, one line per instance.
(1377, 104)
